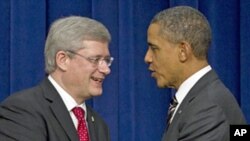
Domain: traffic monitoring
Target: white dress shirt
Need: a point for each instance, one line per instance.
(68, 101)
(186, 86)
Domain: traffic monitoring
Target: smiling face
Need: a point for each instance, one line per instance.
(81, 78)
(162, 57)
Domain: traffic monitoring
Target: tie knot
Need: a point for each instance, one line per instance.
(174, 102)
(171, 109)
(79, 113)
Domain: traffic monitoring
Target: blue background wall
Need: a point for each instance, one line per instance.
(132, 105)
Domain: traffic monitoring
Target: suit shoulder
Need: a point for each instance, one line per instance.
(217, 91)
(221, 96)
(23, 96)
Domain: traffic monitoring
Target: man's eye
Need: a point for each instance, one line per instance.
(95, 59)
(153, 48)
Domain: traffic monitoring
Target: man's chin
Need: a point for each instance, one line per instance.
(96, 93)
(160, 85)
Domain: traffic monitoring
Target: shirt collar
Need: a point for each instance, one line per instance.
(66, 97)
(186, 86)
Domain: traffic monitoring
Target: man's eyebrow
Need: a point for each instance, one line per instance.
(101, 56)
(150, 44)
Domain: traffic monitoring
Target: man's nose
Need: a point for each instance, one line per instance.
(104, 68)
(148, 57)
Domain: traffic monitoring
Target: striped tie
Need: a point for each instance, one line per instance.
(171, 109)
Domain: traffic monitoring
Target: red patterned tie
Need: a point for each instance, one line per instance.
(82, 127)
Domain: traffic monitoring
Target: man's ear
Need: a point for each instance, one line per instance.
(185, 51)
(62, 60)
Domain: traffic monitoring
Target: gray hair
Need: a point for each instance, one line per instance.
(183, 23)
(68, 34)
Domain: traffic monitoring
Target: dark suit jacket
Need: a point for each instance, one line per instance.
(205, 113)
(39, 114)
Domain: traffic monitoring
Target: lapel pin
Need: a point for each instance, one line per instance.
(180, 112)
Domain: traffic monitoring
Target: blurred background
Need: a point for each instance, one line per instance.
(132, 105)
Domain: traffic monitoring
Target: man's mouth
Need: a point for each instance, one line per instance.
(100, 80)
(152, 72)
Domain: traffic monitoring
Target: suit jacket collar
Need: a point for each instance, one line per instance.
(201, 84)
(59, 109)
(61, 113)
(91, 124)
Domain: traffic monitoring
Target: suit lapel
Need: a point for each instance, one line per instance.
(64, 119)
(91, 125)
(201, 84)
(59, 110)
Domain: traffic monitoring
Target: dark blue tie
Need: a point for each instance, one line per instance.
(172, 106)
